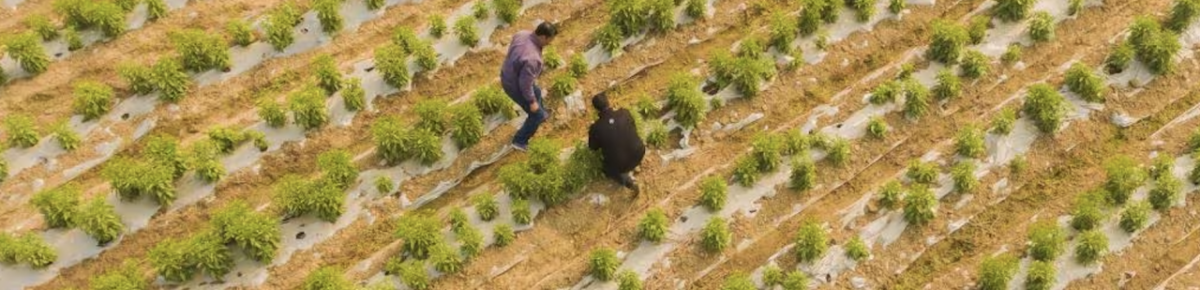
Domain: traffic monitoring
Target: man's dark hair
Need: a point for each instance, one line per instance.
(546, 29)
(600, 102)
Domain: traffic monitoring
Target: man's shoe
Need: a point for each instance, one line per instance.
(520, 147)
(627, 181)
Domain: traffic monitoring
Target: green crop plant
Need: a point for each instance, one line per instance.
(995, 272)
(480, 10)
(751, 48)
(106, 16)
(138, 77)
(608, 37)
(656, 133)
(683, 94)
(392, 63)
(434, 115)
(795, 142)
(204, 160)
(425, 146)
(445, 259)
(628, 16)
(839, 151)
(896, 6)
(1086, 213)
(296, 197)
(857, 250)
(1003, 122)
(653, 226)
(491, 100)
(1074, 7)
(1166, 191)
(327, 13)
(420, 233)
(239, 32)
(1092, 246)
(1153, 45)
(563, 85)
(467, 127)
(353, 96)
(715, 236)
(328, 76)
(772, 276)
(948, 87)
(738, 281)
(28, 249)
(1012, 10)
(169, 260)
(199, 51)
(886, 92)
(99, 219)
(1041, 27)
(1183, 13)
(1046, 241)
(127, 277)
(1120, 57)
(426, 55)
(916, 102)
(1012, 54)
(746, 171)
(257, 234)
(458, 220)
(413, 274)
(504, 235)
(207, 253)
(890, 195)
(863, 9)
(279, 26)
(1046, 107)
(948, 42)
(67, 137)
(578, 66)
(963, 174)
(308, 108)
(406, 38)
(766, 148)
(521, 212)
(920, 205)
(660, 15)
(877, 127)
(1135, 217)
(974, 64)
(226, 138)
(1124, 176)
(696, 9)
(486, 206)
(384, 184)
(165, 150)
(272, 113)
(1082, 81)
(437, 26)
(922, 172)
(804, 174)
(26, 49)
(603, 263)
(551, 58)
(1163, 163)
(260, 140)
(59, 206)
(22, 132)
(156, 9)
(783, 32)
(1042, 276)
(626, 279)
(327, 278)
(375, 4)
(41, 25)
(127, 5)
(135, 178)
(977, 29)
(337, 168)
(713, 193)
(748, 73)
(795, 280)
(582, 167)
(906, 71)
(169, 78)
(811, 242)
(3, 170)
(467, 33)
(74, 41)
(969, 142)
(810, 17)
(507, 10)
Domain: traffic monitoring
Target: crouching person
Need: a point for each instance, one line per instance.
(616, 136)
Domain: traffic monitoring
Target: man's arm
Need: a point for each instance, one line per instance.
(529, 73)
(593, 140)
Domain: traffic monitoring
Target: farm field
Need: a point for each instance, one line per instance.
(791, 144)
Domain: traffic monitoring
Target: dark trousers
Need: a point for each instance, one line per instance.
(534, 120)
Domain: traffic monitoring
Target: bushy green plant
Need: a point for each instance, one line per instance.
(375, 5)
(627, 16)
(922, 172)
(280, 23)
(426, 56)
(1153, 45)
(239, 32)
(204, 160)
(602, 263)
(384, 184)
(127, 277)
(660, 15)
(491, 100)
(1135, 217)
(974, 64)
(1004, 121)
(156, 9)
(337, 168)
(165, 150)
(1082, 81)
(413, 274)
(804, 174)
(226, 138)
(1042, 276)
(437, 26)
(746, 74)
(839, 151)
(26, 49)
(896, 6)
(963, 175)
(1120, 57)
(609, 38)
(135, 178)
(327, 13)
(445, 259)
(308, 108)
(772, 276)
(863, 9)
(327, 278)
(21, 131)
(810, 16)
(811, 242)
(486, 206)
(296, 197)
(41, 25)
(1074, 6)
(948, 42)
(1166, 191)
(969, 142)
(1041, 27)
(467, 33)
(480, 9)
(683, 94)
(67, 137)
(169, 78)
(260, 140)
(504, 235)
(74, 41)
(138, 77)
(995, 272)
(272, 113)
(738, 281)
(392, 64)
(1012, 10)
(200, 51)
(1183, 13)
(1086, 213)
(406, 38)
(551, 59)
(890, 195)
(877, 128)
(920, 205)
(715, 236)
(420, 233)
(745, 171)
(795, 142)
(59, 206)
(906, 71)
(257, 234)
(1124, 176)
(353, 96)
(434, 115)
(653, 226)
(180, 260)
(783, 32)
(977, 29)
(467, 127)
(328, 76)
(751, 47)
(578, 66)
(886, 92)
(795, 280)
(948, 86)
(1046, 107)
(1046, 241)
(767, 149)
(562, 85)
(656, 133)
(696, 9)
(521, 212)
(628, 280)
(713, 193)
(916, 102)
(857, 250)
(1092, 246)
(1012, 54)
(458, 220)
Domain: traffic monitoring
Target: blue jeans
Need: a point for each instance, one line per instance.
(534, 120)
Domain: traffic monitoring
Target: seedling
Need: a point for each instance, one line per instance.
(890, 195)
(995, 272)
(978, 29)
(1118, 60)
(974, 64)
(21, 131)
(948, 42)
(920, 205)
(1086, 214)
(308, 108)
(783, 32)
(916, 104)
(1046, 107)
(551, 58)
(1124, 176)
(811, 242)
(738, 281)
(204, 161)
(1135, 217)
(715, 236)
(963, 174)
(1166, 192)
(653, 226)
(948, 86)
(922, 172)
(521, 212)
(1183, 13)
(67, 138)
(504, 235)
(280, 24)
(746, 171)
(26, 49)
(1042, 276)
(393, 65)
(603, 263)
(1092, 246)
(328, 77)
(1082, 81)
(467, 33)
(445, 259)
(1012, 54)
(886, 92)
(563, 85)
(1041, 27)
(327, 13)
(420, 233)
(200, 51)
(239, 32)
(491, 100)
(628, 280)
(1046, 241)
(578, 66)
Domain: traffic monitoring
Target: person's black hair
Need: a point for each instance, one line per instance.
(546, 29)
(600, 102)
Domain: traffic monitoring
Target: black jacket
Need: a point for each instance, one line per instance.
(615, 134)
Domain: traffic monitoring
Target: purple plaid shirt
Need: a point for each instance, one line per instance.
(523, 65)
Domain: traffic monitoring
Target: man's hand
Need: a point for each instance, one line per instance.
(534, 107)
